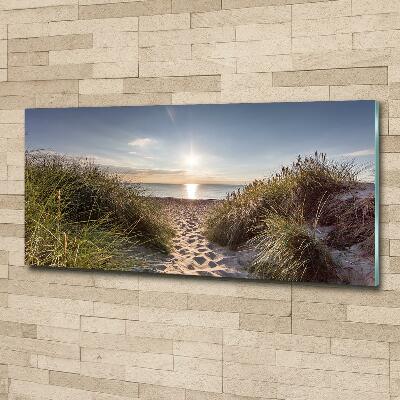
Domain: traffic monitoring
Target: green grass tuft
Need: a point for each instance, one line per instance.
(79, 215)
(288, 250)
(298, 188)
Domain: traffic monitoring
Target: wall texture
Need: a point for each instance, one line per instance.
(93, 336)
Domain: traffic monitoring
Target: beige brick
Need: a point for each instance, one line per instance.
(172, 84)
(345, 25)
(24, 59)
(125, 9)
(190, 380)
(201, 366)
(174, 332)
(57, 100)
(163, 300)
(240, 305)
(100, 55)
(11, 117)
(196, 98)
(341, 59)
(252, 388)
(21, 4)
(115, 70)
(359, 348)
(233, 337)
(360, 92)
(49, 304)
(324, 9)
(58, 364)
(151, 392)
(263, 15)
(119, 311)
(394, 126)
(28, 374)
(76, 381)
(374, 7)
(264, 64)
(126, 343)
(124, 99)
(50, 43)
(295, 392)
(199, 35)
(40, 317)
(263, 32)
(374, 315)
(310, 93)
(394, 73)
(77, 27)
(145, 360)
(200, 350)
(45, 14)
(372, 40)
(190, 317)
(100, 86)
(187, 68)
(319, 311)
(179, 6)
(42, 347)
(115, 39)
(102, 370)
(22, 389)
(243, 49)
(249, 355)
(346, 330)
(116, 281)
(265, 323)
(323, 43)
(164, 22)
(64, 335)
(331, 362)
(103, 325)
(44, 73)
(165, 53)
(39, 87)
(350, 76)
(14, 357)
(390, 144)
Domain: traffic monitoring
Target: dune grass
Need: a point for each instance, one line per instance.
(302, 186)
(288, 250)
(277, 215)
(79, 215)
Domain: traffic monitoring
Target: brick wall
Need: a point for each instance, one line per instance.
(94, 336)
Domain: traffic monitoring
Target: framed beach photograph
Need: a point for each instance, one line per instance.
(280, 191)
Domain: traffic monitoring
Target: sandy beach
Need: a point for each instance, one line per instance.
(192, 252)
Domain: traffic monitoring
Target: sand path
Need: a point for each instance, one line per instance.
(193, 253)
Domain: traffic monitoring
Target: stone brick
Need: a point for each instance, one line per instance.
(164, 22)
(25, 59)
(262, 15)
(125, 9)
(50, 43)
(333, 77)
(51, 72)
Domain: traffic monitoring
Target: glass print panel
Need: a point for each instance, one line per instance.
(281, 191)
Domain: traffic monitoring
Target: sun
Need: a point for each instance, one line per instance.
(192, 160)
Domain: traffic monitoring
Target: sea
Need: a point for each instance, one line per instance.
(192, 191)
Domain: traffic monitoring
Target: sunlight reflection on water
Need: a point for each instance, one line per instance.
(191, 190)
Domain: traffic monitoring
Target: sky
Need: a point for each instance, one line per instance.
(225, 144)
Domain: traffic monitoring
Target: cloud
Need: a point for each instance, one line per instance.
(142, 142)
(360, 153)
